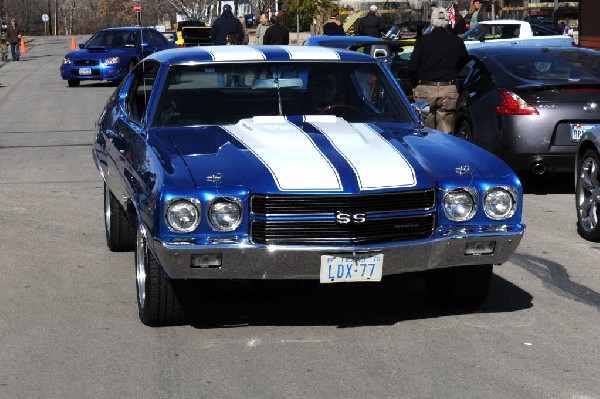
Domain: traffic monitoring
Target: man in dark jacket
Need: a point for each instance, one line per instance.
(226, 24)
(370, 24)
(276, 34)
(436, 60)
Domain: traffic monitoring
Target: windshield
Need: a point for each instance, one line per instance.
(553, 66)
(223, 94)
(116, 38)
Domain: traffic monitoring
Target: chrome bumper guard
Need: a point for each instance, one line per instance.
(250, 261)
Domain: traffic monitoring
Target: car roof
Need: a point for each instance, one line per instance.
(503, 22)
(258, 54)
(514, 51)
(339, 39)
(126, 28)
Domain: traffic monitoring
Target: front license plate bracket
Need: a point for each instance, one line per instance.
(349, 268)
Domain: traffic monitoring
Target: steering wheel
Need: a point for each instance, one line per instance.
(345, 108)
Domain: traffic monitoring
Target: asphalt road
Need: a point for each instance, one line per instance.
(68, 318)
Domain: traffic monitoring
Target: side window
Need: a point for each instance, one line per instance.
(140, 91)
(156, 39)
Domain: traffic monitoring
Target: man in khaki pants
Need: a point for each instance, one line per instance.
(434, 65)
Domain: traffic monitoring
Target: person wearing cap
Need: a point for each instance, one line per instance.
(370, 24)
(226, 24)
(436, 60)
(333, 26)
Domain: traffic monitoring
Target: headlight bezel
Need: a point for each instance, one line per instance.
(224, 200)
(474, 196)
(514, 196)
(195, 203)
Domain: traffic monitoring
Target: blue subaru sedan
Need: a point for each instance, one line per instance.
(111, 53)
(293, 162)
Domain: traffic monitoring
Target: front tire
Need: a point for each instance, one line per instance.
(462, 287)
(587, 196)
(120, 236)
(73, 82)
(159, 299)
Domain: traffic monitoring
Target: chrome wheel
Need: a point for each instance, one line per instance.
(107, 210)
(588, 193)
(140, 267)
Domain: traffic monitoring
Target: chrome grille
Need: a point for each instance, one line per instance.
(310, 219)
(271, 205)
(372, 231)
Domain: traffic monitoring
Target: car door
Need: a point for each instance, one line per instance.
(130, 129)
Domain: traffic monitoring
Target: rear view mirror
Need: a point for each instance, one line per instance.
(421, 108)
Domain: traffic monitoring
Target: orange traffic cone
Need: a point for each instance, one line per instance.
(23, 50)
(73, 44)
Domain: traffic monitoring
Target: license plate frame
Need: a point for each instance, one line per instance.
(351, 268)
(85, 71)
(577, 130)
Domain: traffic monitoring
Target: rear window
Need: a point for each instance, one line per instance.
(560, 65)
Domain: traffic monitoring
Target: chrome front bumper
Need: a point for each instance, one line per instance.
(241, 261)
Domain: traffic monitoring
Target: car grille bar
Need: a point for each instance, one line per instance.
(86, 63)
(372, 231)
(274, 205)
(284, 219)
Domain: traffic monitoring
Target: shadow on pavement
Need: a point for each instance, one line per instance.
(395, 299)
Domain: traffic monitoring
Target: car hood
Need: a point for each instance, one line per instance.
(98, 52)
(328, 154)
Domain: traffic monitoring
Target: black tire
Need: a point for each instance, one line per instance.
(120, 236)
(464, 130)
(462, 287)
(587, 189)
(73, 82)
(159, 299)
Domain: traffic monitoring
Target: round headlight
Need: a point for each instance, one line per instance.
(183, 215)
(460, 204)
(225, 214)
(499, 203)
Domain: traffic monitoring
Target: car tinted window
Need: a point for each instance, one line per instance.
(116, 38)
(219, 94)
(564, 65)
(537, 30)
(154, 38)
(140, 90)
(490, 32)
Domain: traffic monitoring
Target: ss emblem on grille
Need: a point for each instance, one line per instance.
(345, 218)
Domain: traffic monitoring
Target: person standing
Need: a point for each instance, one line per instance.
(370, 24)
(436, 60)
(333, 26)
(226, 24)
(276, 34)
(261, 29)
(427, 30)
(14, 36)
(478, 14)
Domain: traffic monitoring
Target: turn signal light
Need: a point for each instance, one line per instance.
(512, 104)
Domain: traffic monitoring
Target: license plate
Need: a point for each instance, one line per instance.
(350, 268)
(85, 71)
(577, 130)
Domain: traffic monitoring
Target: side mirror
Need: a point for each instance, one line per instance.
(421, 108)
(81, 45)
(380, 53)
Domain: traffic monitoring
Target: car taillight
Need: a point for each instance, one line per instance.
(512, 104)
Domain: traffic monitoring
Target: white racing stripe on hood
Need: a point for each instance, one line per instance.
(311, 53)
(375, 161)
(289, 154)
(236, 53)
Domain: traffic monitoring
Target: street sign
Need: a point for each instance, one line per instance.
(45, 17)
(137, 7)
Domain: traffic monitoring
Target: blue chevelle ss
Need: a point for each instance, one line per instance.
(293, 162)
